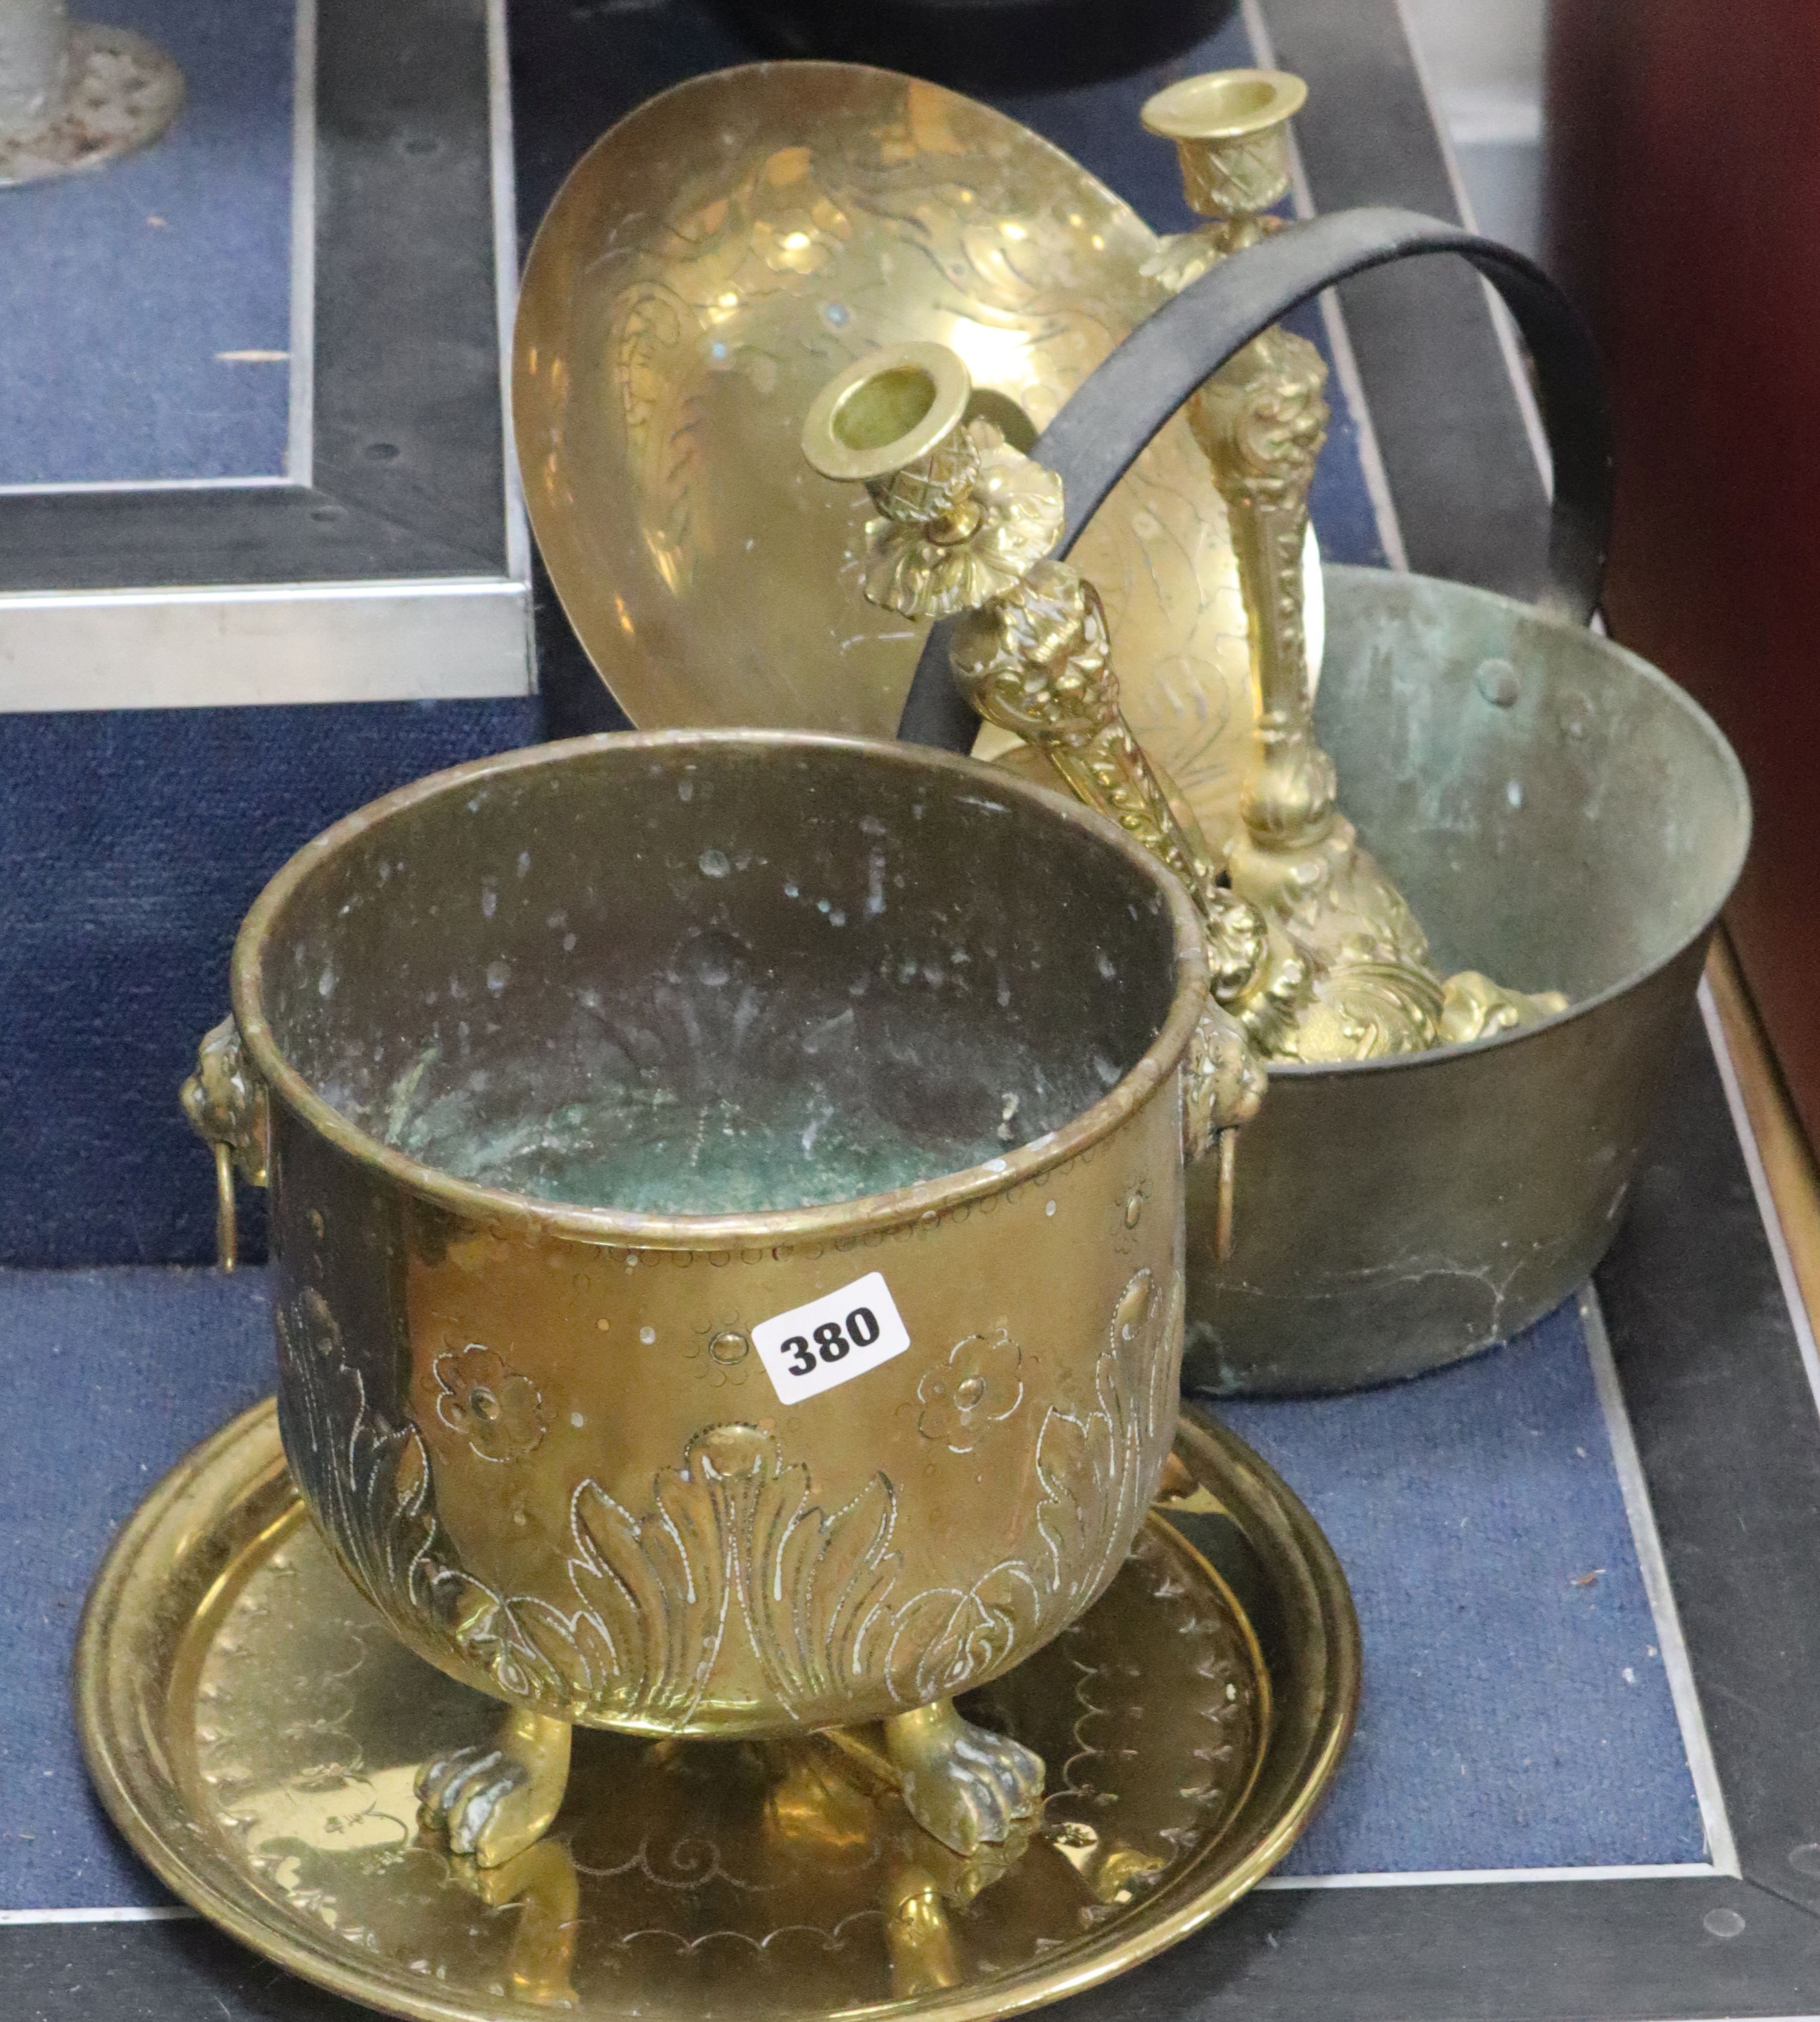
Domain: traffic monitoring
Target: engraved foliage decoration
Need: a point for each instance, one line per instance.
(732, 1536)
(735, 1554)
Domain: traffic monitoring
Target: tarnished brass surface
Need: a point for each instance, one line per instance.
(226, 1107)
(256, 1733)
(1558, 810)
(967, 523)
(1364, 983)
(537, 1435)
(708, 265)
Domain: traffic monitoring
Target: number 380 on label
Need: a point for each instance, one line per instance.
(832, 1339)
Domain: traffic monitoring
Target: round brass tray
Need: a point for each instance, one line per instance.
(709, 264)
(254, 1731)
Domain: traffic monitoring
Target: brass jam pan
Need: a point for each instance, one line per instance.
(711, 262)
(254, 1731)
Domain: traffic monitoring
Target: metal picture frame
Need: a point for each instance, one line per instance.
(392, 562)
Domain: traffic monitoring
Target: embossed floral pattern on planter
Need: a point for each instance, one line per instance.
(734, 1572)
(495, 1410)
(978, 1388)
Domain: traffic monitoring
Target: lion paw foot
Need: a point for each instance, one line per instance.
(967, 1787)
(493, 1800)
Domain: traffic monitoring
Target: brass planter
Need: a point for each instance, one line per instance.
(1557, 812)
(539, 1437)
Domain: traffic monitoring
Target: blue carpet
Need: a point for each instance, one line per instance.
(112, 1377)
(119, 289)
(1499, 1727)
(132, 843)
(1515, 1711)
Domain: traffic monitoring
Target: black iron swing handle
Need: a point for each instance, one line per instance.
(1112, 416)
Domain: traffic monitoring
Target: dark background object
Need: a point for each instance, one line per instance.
(1682, 181)
(984, 45)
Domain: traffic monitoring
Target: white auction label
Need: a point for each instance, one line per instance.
(831, 1340)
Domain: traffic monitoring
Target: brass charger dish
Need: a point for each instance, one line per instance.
(254, 1730)
(705, 267)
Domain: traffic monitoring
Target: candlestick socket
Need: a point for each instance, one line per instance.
(892, 408)
(1231, 128)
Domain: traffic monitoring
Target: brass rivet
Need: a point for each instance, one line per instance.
(729, 1348)
(1497, 681)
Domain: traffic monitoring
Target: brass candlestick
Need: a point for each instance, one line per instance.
(1261, 421)
(965, 525)
(1231, 132)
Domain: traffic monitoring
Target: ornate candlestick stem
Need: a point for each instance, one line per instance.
(1261, 421)
(966, 524)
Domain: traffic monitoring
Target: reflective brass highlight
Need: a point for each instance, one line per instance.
(1231, 131)
(1185, 1745)
(710, 264)
(1365, 986)
(905, 409)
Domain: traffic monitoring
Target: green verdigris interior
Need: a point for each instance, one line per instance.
(700, 979)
